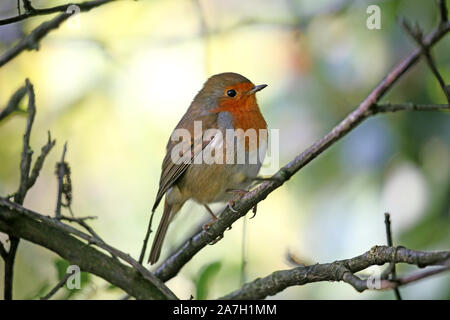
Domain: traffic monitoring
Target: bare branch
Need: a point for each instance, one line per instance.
(18, 7)
(82, 222)
(388, 107)
(412, 278)
(13, 103)
(9, 266)
(30, 11)
(387, 222)
(19, 196)
(147, 236)
(3, 252)
(31, 42)
(27, 152)
(45, 150)
(342, 270)
(417, 34)
(65, 241)
(58, 286)
(443, 11)
(60, 173)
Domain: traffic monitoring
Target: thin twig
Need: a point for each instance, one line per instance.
(31, 42)
(27, 152)
(13, 103)
(187, 250)
(65, 188)
(27, 6)
(417, 34)
(386, 284)
(3, 252)
(10, 210)
(147, 236)
(388, 107)
(81, 221)
(19, 196)
(45, 150)
(9, 267)
(60, 173)
(342, 270)
(30, 11)
(443, 11)
(58, 286)
(387, 222)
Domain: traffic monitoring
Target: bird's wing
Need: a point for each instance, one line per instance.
(171, 171)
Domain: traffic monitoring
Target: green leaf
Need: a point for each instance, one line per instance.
(61, 265)
(206, 275)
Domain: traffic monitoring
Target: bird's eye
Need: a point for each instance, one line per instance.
(231, 93)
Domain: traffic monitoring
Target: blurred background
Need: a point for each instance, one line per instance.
(115, 81)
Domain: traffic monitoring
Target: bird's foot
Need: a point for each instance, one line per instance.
(216, 240)
(205, 228)
(213, 218)
(254, 209)
(239, 193)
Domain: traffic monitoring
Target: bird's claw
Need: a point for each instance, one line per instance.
(254, 211)
(205, 228)
(216, 240)
(239, 193)
(230, 206)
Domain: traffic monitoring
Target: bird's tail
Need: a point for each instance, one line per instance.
(160, 234)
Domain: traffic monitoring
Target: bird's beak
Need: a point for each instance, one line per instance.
(257, 88)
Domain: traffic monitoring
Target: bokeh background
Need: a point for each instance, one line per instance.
(115, 82)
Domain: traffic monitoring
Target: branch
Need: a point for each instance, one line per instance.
(30, 11)
(27, 152)
(45, 150)
(58, 286)
(343, 270)
(81, 221)
(411, 278)
(13, 103)
(9, 266)
(31, 42)
(65, 241)
(387, 222)
(443, 10)
(61, 172)
(388, 107)
(19, 197)
(417, 34)
(367, 108)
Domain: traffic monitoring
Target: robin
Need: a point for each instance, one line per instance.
(225, 104)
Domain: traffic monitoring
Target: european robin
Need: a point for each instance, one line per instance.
(226, 103)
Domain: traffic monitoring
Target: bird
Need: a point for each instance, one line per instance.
(226, 103)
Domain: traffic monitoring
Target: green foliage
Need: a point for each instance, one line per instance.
(85, 278)
(206, 276)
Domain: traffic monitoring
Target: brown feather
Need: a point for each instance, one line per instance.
(160, 234)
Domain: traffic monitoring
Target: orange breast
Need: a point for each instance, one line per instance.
(243, 109)
(244, 112)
